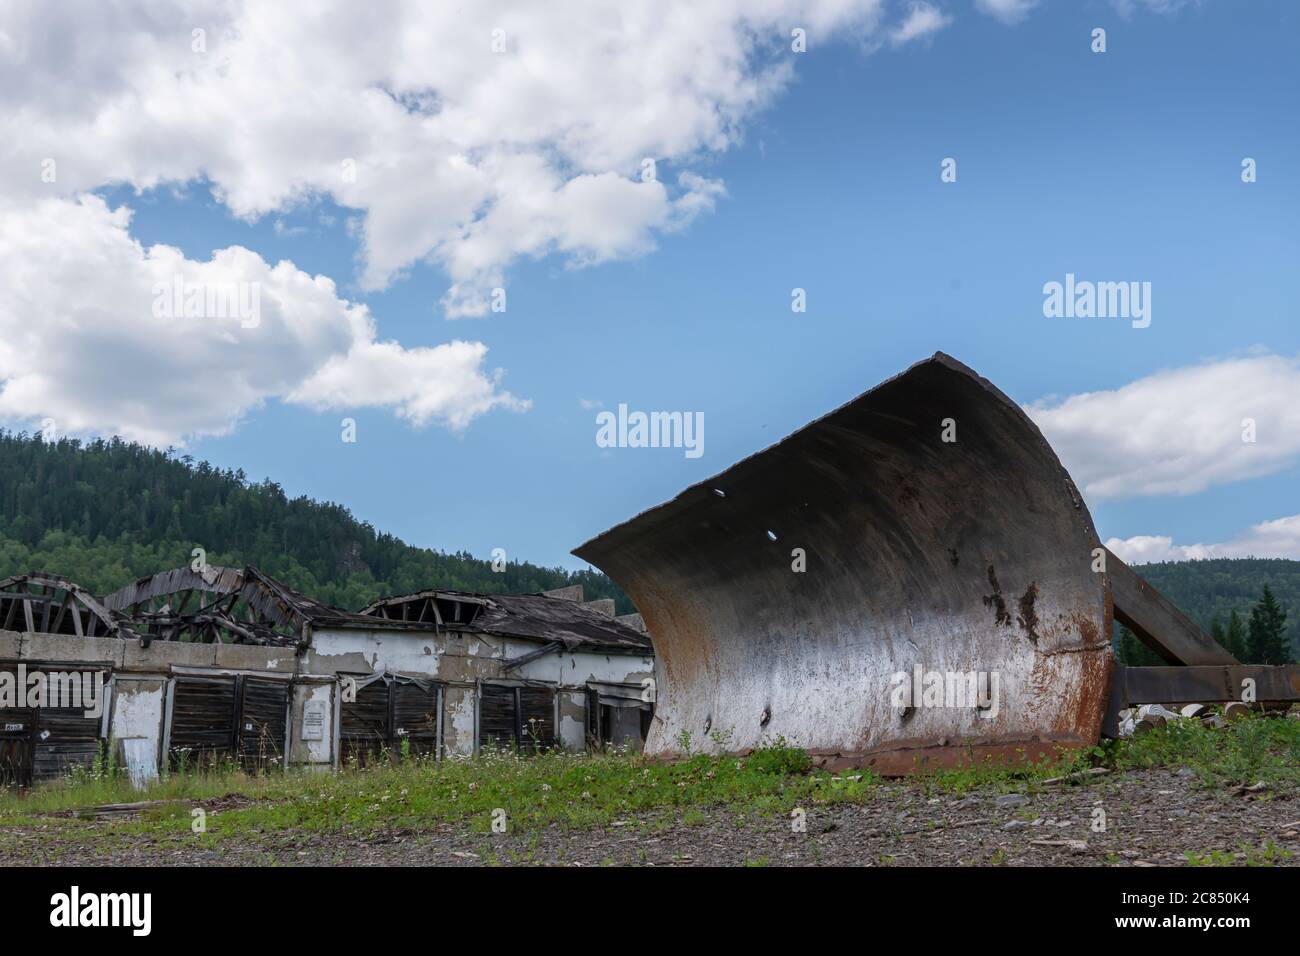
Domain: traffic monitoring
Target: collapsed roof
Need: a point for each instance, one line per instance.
(52, 604)
(547, 617)
(248, 606)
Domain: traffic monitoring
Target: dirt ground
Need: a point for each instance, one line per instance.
(1151, 818)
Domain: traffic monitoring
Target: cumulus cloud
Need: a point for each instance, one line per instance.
(1008, 11)
(922, 20)
(1125, 8)
(465, 135)
(1179, 431)
(103, 335)
(1279, 538)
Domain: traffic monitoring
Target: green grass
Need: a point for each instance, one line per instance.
(1244, 752)
(1267, 854)
(593, 790)
(569, 790)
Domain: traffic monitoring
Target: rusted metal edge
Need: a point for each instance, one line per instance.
(600, 545)
(901, 761)
(703, 513)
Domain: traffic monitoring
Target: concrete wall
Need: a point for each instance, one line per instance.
(312, 741)
(135, 724)
(141, 677)
(463, 661)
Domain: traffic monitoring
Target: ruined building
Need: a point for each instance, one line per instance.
(229, 664)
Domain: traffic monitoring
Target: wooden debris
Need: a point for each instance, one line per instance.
(1235, 710)
(1078, 846)
(1077, 776)
(121, 809)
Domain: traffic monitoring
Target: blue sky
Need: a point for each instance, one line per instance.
(1124, 165)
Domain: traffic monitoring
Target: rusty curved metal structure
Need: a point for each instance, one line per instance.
(921, 557)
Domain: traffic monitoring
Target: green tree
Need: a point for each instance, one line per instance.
(104, 513)
(1267, 639)
(1235, 637)
(1133, 653)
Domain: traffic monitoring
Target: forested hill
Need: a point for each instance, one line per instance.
(1216, 587)
(104, 513)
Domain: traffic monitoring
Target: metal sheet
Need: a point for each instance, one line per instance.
(966, 556)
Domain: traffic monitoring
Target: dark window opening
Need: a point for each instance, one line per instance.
(522, 718)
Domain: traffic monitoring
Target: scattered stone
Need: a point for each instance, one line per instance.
(1075, 777)
(1075, 846)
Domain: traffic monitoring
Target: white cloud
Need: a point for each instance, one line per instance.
(86, 338)
(463, 157)
(1008, 11)
(922, 20)
(1125, 8)
(444, 383)
(1279, 538)
(1179, 431)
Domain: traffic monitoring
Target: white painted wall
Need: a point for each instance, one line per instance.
(312, 752)
(137, 721)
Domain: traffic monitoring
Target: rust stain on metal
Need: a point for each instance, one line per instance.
(1028, 618)
(904, 537)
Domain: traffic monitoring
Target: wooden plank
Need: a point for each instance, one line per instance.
(1156, 622)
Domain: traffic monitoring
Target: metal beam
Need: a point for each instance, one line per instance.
(1156, 622)
(1205, 684)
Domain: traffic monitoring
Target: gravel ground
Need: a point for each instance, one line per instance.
(1151, 817)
